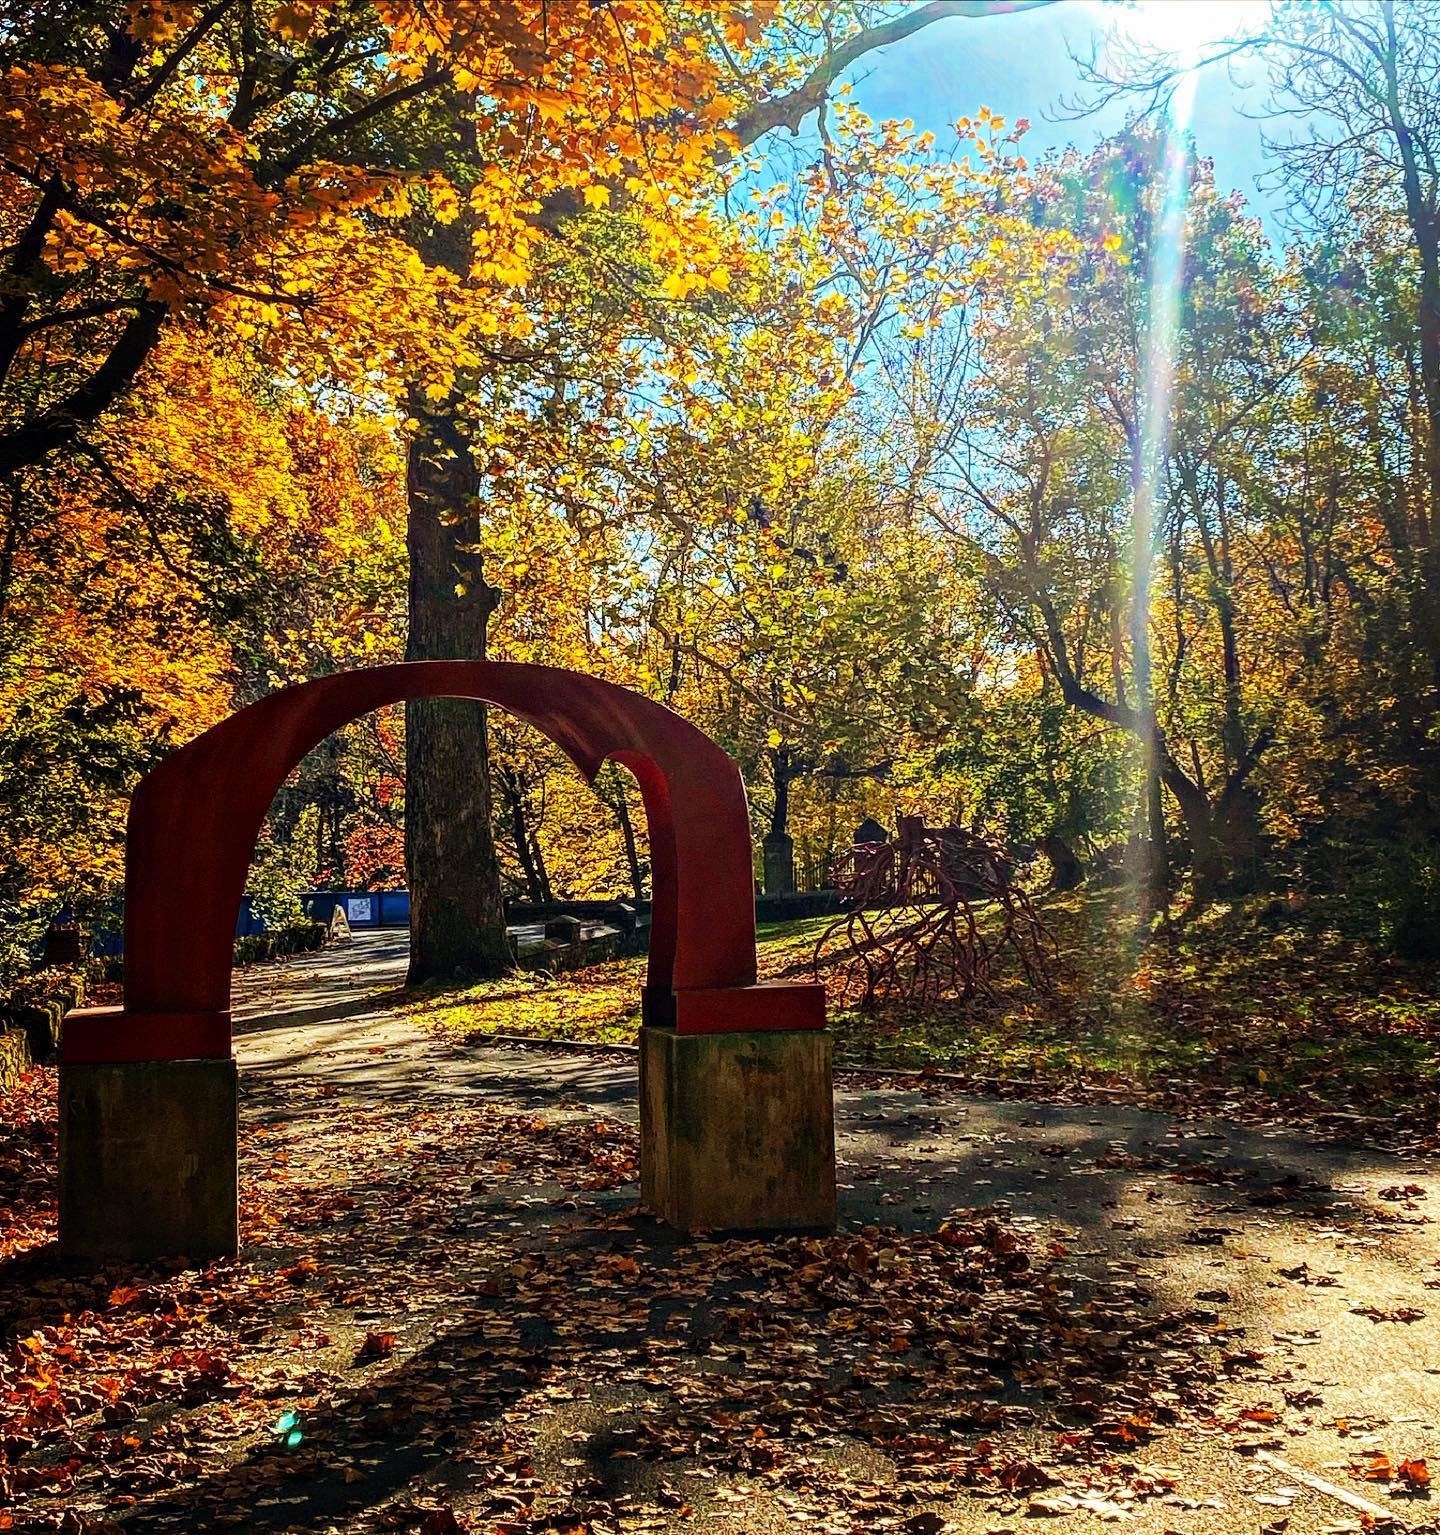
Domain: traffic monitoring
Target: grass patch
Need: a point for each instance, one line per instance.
(1251, 1007)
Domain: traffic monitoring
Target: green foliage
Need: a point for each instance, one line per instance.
(18, 939)
(1404, 882)
(275, 884)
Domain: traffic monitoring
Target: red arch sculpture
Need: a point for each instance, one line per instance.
(194, 821)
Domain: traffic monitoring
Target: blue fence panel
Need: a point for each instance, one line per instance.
(247, 921)
(362, 908)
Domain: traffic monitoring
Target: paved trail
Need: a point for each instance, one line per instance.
(1283, 1238)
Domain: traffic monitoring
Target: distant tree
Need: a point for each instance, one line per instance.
(1040, 475)
(1359, 83)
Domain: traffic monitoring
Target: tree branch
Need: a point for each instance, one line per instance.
(61, 424)
(277, 171)
(791, 109)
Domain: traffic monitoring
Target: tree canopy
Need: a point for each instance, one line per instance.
(645, 350)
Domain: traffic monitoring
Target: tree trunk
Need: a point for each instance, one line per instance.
(781, 773)
(457, 913)
(537, 861)
(632, 852)
(1066, 869)
(1154, 876)
(1205, 858)
(520, 834)
(1160, 764)
(1424, 221)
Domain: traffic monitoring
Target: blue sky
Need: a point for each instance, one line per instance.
(1020, 66)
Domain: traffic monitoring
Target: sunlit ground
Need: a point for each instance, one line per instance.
(1252, 1010)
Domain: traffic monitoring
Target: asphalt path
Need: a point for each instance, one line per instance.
(1311, 1254)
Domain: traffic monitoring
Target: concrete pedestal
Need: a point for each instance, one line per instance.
(737, 1131)
(148, 1160)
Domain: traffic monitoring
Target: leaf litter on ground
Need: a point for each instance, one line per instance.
(454, 1318)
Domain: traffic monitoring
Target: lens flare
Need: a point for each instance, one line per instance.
(1158, 362)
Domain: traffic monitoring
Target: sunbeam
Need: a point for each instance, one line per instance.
(1158, 363)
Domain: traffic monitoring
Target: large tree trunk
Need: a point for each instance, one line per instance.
(457, 911)
(457, 914)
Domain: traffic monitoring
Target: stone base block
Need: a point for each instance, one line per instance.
(737, 1131)
(148, 1160)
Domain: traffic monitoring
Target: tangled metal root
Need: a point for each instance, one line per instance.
(911, 927)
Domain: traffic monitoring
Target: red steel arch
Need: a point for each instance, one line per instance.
(194, 821)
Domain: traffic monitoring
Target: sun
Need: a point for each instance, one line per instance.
(1187, 27)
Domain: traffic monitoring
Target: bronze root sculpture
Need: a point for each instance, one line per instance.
(913, 925)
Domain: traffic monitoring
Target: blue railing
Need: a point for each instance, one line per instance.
(362, 908)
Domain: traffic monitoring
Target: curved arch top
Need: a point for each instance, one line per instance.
(194, 821)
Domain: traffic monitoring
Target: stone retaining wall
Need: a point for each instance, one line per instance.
(36, 1006)
(14, 1057)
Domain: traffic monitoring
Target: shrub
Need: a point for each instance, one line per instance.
(276, 943)
(274, 888)
(301, 938)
